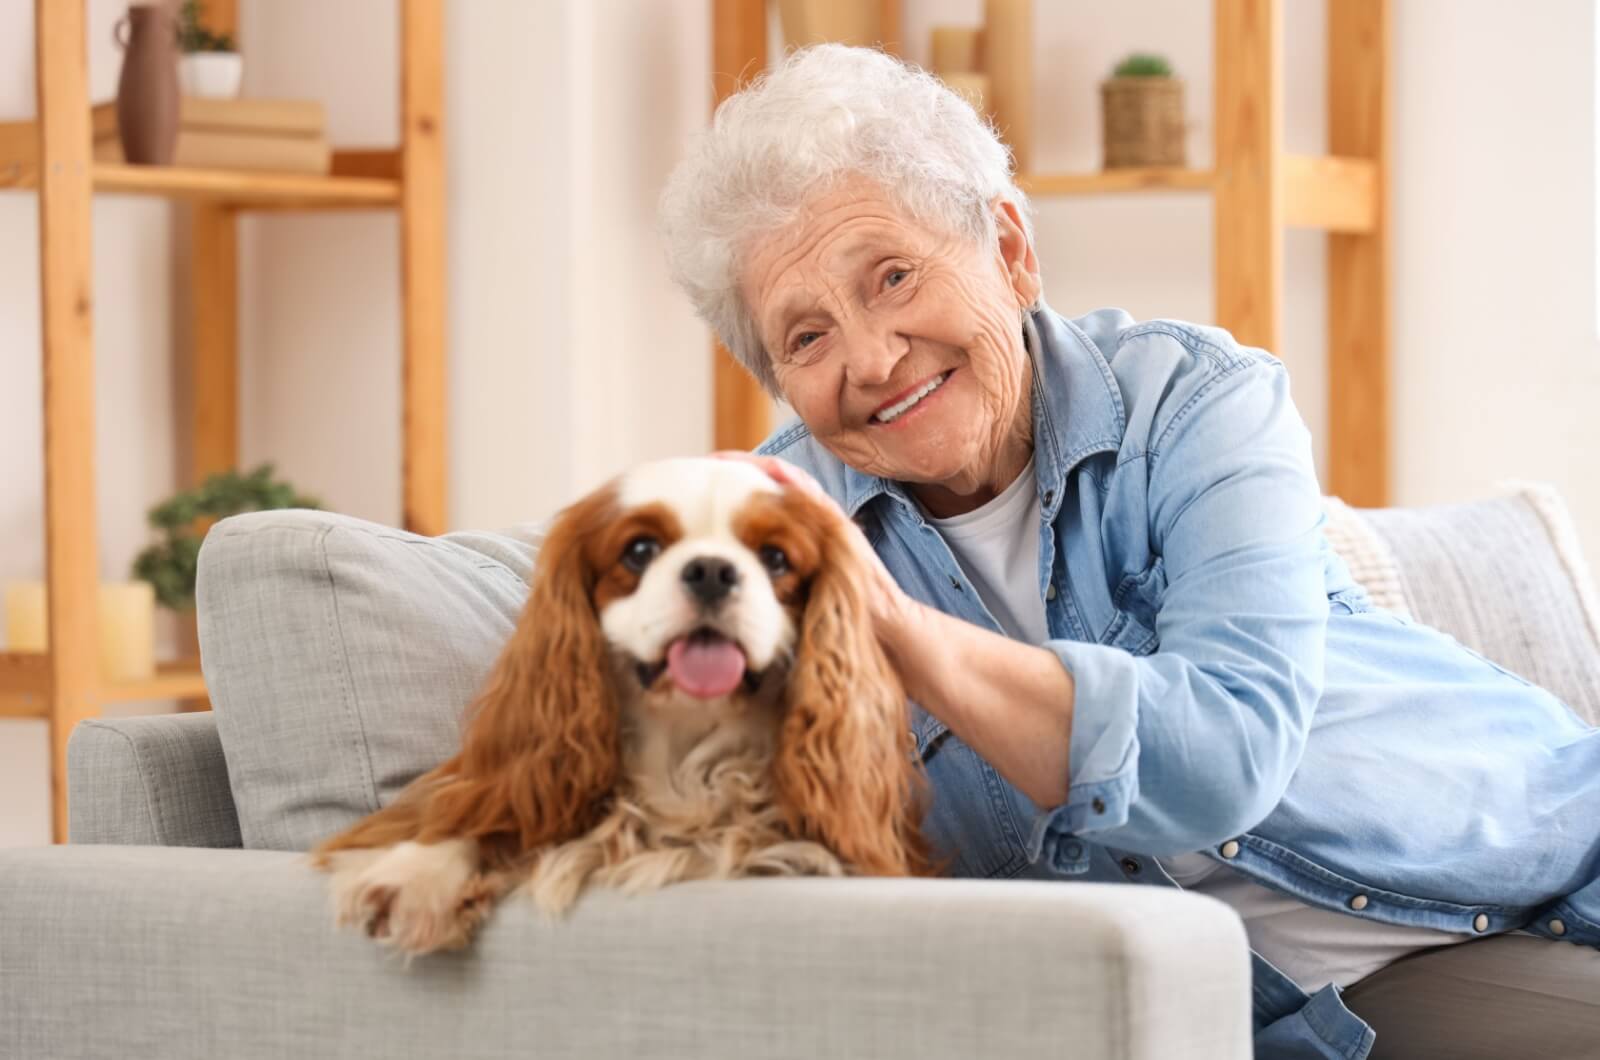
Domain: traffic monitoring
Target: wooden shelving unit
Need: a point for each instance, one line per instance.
(64, 686)
(1257, 192)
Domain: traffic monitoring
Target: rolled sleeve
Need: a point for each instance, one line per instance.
(1182, 749)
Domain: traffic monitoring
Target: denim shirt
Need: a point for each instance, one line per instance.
(1236, 693)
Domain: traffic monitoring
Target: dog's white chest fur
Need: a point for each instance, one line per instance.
(696, 803)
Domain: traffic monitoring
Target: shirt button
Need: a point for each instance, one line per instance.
(1131, 866)
(955, 583)
(1050, 591)
(1359, 902)
(1557, 927)
(1049, 496)
(1480, 923)
(1099, 805)
(1230, 849)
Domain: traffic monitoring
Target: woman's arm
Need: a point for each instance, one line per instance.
(1009, 701)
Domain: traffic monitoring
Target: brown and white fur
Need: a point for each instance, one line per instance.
(584, 764)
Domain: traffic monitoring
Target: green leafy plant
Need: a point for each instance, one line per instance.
(170, 564)
(1143, 64)
(194, 37)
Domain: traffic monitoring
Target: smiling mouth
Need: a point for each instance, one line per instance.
(704, 664)
(890, 413)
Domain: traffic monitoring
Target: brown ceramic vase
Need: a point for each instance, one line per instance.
(147, 92)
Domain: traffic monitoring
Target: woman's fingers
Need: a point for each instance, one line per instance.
(781, 471)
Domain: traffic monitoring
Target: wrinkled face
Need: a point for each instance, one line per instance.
(900, 347)
(700, 573)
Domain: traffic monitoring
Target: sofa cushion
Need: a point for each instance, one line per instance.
(1505, 577)
(339, 655)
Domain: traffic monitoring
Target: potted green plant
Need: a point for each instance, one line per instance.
(1142, 111)
(211, 65)
(169, 565)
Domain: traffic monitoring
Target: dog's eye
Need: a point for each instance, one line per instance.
(774, 560)
(640, 551)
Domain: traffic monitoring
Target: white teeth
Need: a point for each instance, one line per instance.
(893, 412)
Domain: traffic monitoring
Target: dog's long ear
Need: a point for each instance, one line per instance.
(846, 772)
(540, 749)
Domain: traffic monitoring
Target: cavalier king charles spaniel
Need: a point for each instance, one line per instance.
(693, 691)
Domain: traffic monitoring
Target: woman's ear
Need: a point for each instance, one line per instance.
(1017, 258)
(846, 771)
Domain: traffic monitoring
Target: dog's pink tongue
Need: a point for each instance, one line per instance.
(706, 667)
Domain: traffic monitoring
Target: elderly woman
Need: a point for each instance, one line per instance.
(1102, 576)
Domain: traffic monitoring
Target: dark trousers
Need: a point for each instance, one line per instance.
(1501, 998)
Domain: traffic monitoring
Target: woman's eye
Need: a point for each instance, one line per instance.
(806, 338)
(773, 558)
(896, 277)
(640, 551)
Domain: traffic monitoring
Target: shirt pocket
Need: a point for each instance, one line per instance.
(1137, 602)
(971, 823)
(1352, 601)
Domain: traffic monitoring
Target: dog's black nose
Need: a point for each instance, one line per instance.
(710, 578)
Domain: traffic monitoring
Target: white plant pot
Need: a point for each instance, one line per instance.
(215, 75)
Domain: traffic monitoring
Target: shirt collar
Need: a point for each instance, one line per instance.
(1077, 411)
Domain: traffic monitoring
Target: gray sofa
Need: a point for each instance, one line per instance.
(182, 921)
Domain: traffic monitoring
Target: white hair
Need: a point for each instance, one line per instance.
(824, 114)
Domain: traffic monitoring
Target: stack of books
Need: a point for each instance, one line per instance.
(286, 136)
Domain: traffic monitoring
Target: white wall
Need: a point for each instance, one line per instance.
(572, 356)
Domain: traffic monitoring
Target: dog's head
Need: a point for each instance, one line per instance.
(694, 586)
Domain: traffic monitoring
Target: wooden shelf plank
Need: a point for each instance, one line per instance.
(1332, 193)
(14, 705)
(240, 188)
(24, 685)
(246, 188)
(1117, 181)
(181, 680)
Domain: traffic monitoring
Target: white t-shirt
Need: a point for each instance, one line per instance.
(1311, 945)
(997, 546)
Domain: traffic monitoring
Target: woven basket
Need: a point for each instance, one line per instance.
(1143, 121)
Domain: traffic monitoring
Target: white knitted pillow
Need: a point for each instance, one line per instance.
(1505, 577)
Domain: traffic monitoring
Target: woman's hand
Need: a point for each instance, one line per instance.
(891, 608)
(1009, 701)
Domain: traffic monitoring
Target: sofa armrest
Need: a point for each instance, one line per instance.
(145, 952)
(158, 780)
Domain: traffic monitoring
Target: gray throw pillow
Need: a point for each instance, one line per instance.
(339, 655)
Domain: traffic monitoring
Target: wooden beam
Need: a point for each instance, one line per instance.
(214, 276)
(742, 412)
(1248, 238)
(1331, 193)
(67, 317)
(221, 16)
(889, 27)
(422, 266)
(1008, 60)
(1358, 263)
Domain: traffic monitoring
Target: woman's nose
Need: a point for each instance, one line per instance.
(871, 353)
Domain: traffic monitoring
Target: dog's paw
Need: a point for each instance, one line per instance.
(412, 897)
